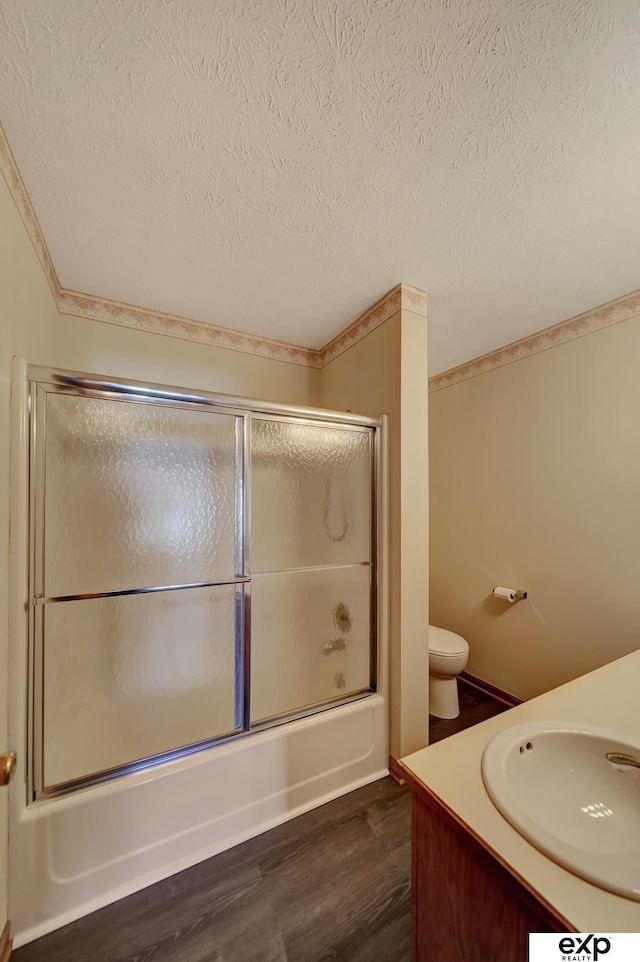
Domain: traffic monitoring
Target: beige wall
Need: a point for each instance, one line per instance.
(535, 483)
(386, 373)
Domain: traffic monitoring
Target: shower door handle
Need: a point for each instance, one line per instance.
(7, 767)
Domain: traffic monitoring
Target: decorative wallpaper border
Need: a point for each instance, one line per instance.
(156, 322)
(402, 296)
(172, 325)
(613, 312)
(110, 311)
(18, 191)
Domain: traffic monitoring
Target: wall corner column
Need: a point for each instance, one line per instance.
(410, 644)
(379, 366)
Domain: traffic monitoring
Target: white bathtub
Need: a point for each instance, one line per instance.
(69, 856)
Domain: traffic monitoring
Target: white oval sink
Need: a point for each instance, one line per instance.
(552, 781)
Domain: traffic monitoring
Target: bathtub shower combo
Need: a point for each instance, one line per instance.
(202, 630)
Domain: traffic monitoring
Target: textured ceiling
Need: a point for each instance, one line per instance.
(275, 166)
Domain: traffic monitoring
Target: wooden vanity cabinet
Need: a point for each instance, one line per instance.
(467, 905)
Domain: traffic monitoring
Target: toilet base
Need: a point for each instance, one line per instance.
(443, 697)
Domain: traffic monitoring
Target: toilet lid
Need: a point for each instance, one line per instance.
(445, 642)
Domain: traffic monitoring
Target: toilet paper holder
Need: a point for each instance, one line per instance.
(510, 594)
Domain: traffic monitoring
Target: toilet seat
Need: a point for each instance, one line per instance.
(446, 644)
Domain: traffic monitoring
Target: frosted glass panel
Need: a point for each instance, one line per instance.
(311, 495)
(133, 676)
(309, 638)
(137, 495)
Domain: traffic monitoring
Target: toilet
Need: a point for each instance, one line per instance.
(448, 656)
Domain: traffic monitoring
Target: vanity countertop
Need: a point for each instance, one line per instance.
(450, 770)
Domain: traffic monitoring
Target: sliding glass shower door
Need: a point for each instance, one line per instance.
(311, 564)
(198, 568)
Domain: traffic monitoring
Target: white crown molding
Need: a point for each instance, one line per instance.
(613, 312)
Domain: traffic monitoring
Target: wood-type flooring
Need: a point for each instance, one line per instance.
(332, 885)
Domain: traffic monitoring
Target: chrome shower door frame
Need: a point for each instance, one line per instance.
(43, 381)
